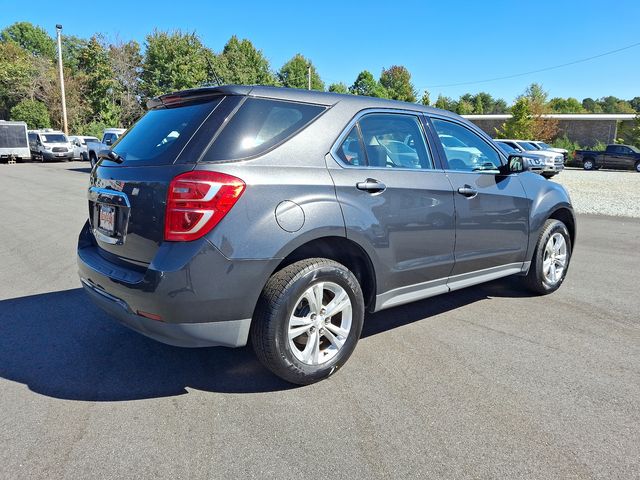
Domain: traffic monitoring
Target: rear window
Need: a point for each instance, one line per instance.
(259, 125)
(160, 135)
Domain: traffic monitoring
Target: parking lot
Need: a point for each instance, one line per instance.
(486, 382)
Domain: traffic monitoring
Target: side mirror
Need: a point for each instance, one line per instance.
(516, 163)
(108, 141)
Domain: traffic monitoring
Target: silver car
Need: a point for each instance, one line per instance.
(79, 143)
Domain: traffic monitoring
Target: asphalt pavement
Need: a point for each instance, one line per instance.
(486, 382)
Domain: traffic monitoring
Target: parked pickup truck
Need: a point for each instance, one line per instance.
(109, 137)
(615, 156)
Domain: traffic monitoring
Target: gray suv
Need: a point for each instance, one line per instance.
(280, 216)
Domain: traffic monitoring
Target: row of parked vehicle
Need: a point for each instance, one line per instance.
(544, 159)
(17, 143)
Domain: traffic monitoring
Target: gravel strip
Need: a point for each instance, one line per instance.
(603, 192)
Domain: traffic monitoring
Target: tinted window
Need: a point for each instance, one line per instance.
(394, 141)
(351, 151)
(258, 125)
(160, 134)
(475, 155)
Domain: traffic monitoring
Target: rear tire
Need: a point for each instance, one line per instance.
(551, 259)
(638, 166)
(308, 320)
(588, 164)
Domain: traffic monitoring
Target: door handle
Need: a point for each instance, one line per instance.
(371, 185)
(467, 191)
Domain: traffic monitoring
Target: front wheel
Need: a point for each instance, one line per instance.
(588, 164)
(308, 320)
(550, 259)
(638, 166)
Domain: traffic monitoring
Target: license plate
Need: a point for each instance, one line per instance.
(107, 219)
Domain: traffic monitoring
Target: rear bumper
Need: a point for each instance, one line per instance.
(200, 297)
(232, 333)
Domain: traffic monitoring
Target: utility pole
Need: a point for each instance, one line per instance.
(309, 75)
(64, 101)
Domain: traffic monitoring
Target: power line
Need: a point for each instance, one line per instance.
(534, 71)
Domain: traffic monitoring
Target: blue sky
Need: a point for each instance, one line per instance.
(443, 42)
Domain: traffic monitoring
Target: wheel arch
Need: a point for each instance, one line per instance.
(344, 251)
(567, 217)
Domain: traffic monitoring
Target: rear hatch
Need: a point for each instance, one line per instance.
(128, 192)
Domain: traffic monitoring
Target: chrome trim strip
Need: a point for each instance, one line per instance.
(95, 194)
(106, 239)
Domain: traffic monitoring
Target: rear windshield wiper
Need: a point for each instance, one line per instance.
(111, 156)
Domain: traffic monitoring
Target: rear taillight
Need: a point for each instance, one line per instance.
(197, 201)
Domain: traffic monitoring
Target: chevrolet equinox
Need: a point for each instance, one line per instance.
(278, 217)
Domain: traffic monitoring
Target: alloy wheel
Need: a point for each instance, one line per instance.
(555, 258)
(320, 323)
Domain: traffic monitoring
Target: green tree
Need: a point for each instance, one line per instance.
(173, 61)
(367, 86)
(464, 107)
(635, 103)
(242, 63)
(446, 103)
(520, 125)
(101, 83)
(397, 81)
(32, 38)
(566, 105)
(631, 133)
(125, 60)
(499, 106)
(591, 106)
(33, 112)
(72, 48)
(426, 98)
(338, 88)
(613, 104)
(15, 76)
(535, 94)
(294, 74)
(478, 106)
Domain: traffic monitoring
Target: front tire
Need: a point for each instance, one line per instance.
(550, 259)
(308, 320)
(638, 166)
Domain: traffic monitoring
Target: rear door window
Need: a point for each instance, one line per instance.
(394, 140)
(259, 125)
(161, 134)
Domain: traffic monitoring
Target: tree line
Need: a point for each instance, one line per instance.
(109, 81)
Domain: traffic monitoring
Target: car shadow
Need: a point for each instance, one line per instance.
(80, 170)
(60, 345)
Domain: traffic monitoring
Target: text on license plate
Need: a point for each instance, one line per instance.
(106, 219)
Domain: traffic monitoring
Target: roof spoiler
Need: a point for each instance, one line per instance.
(196, 94)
